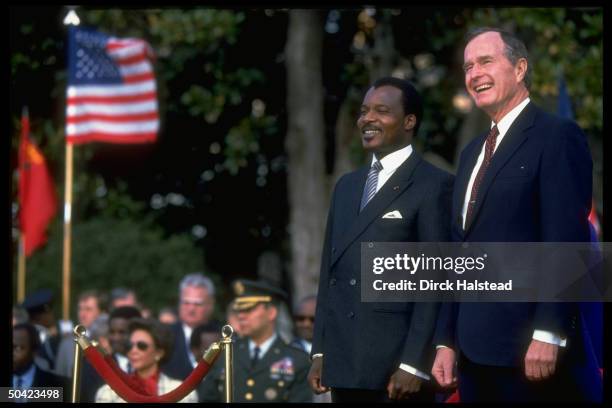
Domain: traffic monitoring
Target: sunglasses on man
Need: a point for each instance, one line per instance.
(304, 318)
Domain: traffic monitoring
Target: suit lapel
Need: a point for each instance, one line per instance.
(397, 183)
(242, 356)
(513, 139)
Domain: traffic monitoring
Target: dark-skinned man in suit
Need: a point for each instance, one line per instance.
(379, 351)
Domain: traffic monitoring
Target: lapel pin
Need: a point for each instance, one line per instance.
(395, 188)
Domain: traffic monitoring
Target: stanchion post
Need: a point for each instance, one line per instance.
(227, 331)
(79, 331)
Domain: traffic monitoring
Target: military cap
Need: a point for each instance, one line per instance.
(249, 293)
(37, 301)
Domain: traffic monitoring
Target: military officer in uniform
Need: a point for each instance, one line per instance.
(266, 369)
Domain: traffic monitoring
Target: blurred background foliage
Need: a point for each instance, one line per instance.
(210, 195)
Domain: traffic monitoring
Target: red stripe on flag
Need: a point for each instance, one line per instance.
(130, 79)
(116, 45)
(73, 120)
(74, 100)
(112, 138)
(132, 59)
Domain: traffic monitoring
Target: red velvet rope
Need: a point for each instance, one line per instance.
(125, 391)
(135, 385)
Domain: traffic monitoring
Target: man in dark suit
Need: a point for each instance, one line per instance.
(196, 306)
(368, 352)
(528, 179)
(26, 374)
(266, 368)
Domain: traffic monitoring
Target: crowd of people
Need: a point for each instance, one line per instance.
(159, 352)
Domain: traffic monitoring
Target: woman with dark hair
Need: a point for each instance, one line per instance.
(150, 345)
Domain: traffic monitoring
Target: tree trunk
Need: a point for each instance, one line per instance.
(305, 145)
(379, 60)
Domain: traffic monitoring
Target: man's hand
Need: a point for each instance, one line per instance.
(402, 384)
(540, 360)
(443, 368)
(314, 376)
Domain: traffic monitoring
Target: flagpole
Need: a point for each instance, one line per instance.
(67, 232)
(21, 271)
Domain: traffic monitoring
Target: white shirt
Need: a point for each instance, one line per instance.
(263, 347)
(187, 331)
(123, 362)
(390, 163)
(503, 126)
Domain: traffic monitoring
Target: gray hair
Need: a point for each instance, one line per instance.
(514, 48)
(199, 280)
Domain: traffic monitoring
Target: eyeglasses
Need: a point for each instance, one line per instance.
(17, 347)
(303, 318)
(140, 345)
(192, 303)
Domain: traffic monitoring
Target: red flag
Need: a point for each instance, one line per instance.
(37, 197)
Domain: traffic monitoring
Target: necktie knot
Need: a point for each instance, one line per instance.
(493, 132)
(377, 166)
(492, 138)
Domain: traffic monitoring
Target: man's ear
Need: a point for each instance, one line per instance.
(272, 311)
(520, 69)
(409, 122)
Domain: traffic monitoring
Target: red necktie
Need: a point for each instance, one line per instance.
(489, 147)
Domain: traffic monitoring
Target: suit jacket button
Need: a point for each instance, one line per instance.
(333, 250)
(332, 281)
(352, 282)
(350, 315)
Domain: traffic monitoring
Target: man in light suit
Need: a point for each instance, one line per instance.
(527, 179)
(367, 352)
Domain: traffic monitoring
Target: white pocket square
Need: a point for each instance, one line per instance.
(393, 214)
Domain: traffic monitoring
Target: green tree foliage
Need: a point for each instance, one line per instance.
(116, 248)
(194, 42)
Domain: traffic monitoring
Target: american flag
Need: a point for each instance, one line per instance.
(111, 95)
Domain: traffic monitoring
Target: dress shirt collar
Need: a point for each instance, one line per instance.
(505, 122)
(393, 160)
(263, 347)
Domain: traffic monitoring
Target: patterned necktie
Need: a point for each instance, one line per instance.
(255, 357)
(489, 148)
(371, 183)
